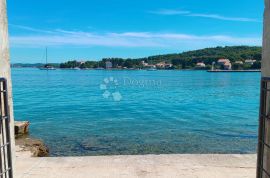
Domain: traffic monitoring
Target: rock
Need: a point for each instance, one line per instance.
(37, 147)
(21, 128)
(40, 150)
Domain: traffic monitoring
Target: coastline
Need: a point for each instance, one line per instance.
(34, 147)
(31, 165)
(233, 71)
(133, 69)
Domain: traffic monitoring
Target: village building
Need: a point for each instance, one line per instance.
(227, 66)
(226, 63)
(250, 61)
(200, 65)
(147, 65)
(223, 61)
(238, 62)
(163, 65)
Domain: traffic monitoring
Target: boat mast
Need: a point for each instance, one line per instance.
(46, 56)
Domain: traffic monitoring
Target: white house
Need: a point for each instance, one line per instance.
(200, 65)
(250, 61)
(223, 61)
(163, 65)
(239, 62)
(226, 63)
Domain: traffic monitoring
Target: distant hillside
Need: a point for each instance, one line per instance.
(188, 60)
(184, 60)
(209, 55)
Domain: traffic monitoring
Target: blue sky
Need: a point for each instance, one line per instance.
(93, 29)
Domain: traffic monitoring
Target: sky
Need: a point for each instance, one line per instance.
(94, 29)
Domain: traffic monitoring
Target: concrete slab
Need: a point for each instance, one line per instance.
(148, 166)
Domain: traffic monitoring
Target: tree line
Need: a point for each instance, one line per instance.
(184, 60)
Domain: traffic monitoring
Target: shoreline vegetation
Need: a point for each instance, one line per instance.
(238, 58)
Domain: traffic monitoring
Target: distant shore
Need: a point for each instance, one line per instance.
(234, 71)
(132, 69)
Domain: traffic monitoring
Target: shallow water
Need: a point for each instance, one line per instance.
(139, 112)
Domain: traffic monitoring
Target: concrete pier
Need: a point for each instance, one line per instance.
(147, 166)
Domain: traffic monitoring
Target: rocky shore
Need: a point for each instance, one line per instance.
(150, 166)
(25, 143)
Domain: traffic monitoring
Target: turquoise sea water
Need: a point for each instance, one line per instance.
(139, 112)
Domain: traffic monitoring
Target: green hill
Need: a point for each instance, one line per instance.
(184, 60)
(209, 55)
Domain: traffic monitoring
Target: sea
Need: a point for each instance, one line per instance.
(137, 112)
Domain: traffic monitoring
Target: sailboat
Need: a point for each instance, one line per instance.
(47, 66)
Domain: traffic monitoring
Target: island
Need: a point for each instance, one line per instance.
(228, 58)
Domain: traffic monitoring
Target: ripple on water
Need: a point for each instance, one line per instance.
(188, 112)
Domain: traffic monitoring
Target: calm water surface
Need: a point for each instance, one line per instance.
(139, 112)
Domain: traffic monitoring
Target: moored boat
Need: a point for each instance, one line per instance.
(47, 66)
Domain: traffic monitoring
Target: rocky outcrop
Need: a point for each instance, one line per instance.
(21, 128)
(37, 147)
(26, 143)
